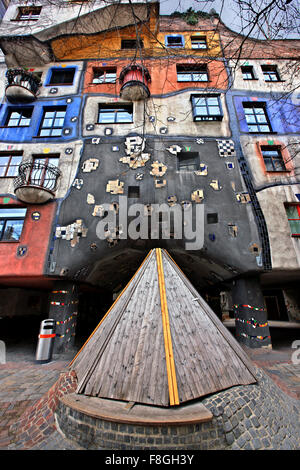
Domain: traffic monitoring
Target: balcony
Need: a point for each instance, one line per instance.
(134, 80)
(21, 86)
(36, 182)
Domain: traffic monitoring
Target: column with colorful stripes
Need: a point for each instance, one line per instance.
(251, 319)
(64, 310)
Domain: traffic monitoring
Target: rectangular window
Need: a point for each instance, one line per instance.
(212, 218)
(64, 76)
(247, 72)
(273, 158)
(174, 41)
(112, 114)
(11, 223)
(293, 215)
(187, 161)
(199, 42)
(270, 73)
(192, 73)
(105, 75)
(257, 118)
(9, 163)
(52, 122)
(28, 13)
(39, 175)
(134, 192)
(206, 108)
(19, 117)
(131, 44)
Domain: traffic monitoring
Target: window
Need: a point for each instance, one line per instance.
(134, 192)
(52, 122)
(293, 215)
(174, 41)
(19, 117)
(131, 43)
(273, 158)
(188, 161)
(107, 75)
(199, 42)
(270, 73)
(256, 117)
(212, 218)
(247, 72)
(192, 73)
(9, 163)
(111, 113)
(206, 108)
(64, 76)
(11, 223)
(28, 13)
(39, 175)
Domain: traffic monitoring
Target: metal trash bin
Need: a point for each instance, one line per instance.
(46, 341)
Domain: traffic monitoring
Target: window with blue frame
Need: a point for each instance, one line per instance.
(62, 76)
(207, 107)
(257, 118)
(115, 113)
(11, 223)
(174, 40)
(18, 117)
(52, 121)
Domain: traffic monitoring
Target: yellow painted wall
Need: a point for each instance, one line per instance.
(108, 44)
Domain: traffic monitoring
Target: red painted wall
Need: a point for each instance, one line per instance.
(163, 75)
(35, 235)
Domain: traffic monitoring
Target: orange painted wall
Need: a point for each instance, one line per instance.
(163, 75)
(288, 161)
(35, 235)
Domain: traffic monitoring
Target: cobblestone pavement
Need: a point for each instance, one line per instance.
(249, 420)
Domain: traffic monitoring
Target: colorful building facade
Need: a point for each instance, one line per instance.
(123, 130)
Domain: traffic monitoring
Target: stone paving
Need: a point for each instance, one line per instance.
(248, 417)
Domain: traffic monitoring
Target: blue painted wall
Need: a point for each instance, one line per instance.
(30, 133)
(283, 114)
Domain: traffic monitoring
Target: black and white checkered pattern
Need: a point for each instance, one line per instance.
(226, 148)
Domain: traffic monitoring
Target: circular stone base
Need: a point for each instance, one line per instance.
(256, 416)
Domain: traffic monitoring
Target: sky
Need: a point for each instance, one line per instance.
(227, 14)
(230, 14)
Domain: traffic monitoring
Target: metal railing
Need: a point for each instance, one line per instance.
(22, 78)
(37, 174)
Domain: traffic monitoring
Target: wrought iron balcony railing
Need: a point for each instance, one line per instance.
(36, 182)
(21, 86)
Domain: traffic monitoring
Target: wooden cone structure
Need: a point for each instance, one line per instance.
(160, 343)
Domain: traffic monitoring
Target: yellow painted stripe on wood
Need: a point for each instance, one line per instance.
(171, 372)
(101, 321)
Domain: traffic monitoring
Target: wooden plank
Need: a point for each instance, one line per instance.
(113, 305)
(209, 344)
(173, 390)
(234, 344)
(185, 332)
(115, 360)
(95, 347)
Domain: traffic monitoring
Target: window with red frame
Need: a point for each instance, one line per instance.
(39, 175)
(293, 215)
(9, 163)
